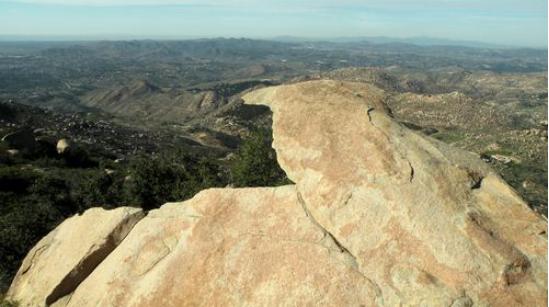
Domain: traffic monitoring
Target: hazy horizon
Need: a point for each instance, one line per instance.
(510, 23)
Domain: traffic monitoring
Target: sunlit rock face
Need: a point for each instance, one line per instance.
(379, 216)
(68, 254)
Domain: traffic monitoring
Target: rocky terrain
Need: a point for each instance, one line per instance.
(502, 117)
(90, 130)
(379, 215)
(490, 101)
(55, 164)
(142, 123)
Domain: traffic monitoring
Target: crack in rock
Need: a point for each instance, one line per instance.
(411, 171)
(347, 200)
(398, 149)
(370, 109)
(352, 258)
(38, 251)
(165, 252)
(341, 248)
(93, 258)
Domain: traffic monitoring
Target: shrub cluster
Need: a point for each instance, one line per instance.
(255, 163)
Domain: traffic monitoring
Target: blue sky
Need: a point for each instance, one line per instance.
(508, 22)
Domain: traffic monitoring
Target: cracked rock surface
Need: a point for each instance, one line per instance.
(68, 254)
(379, 216)
(226, 247)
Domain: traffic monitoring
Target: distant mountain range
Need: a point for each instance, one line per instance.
(419, 40)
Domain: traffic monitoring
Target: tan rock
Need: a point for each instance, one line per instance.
(62, 259)
(505, 159)
(428, 223)
(379, 216)
(227, 247)
(63, 145)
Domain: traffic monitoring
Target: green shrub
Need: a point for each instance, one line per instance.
(79, 157)
(55, 191)
(255, 163)
(15, 179)
(30, 219)
(102, 189)
(171, 177)
(28, 213)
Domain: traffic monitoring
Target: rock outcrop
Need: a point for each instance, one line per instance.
(68, 254)
(379, 216)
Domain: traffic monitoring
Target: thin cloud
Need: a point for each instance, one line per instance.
(533, 6)
(395, 4)
(113, 2)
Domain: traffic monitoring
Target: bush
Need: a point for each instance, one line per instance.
(15, 179)
(30, 220)
(102, 189)
(54, 191)
(168, 178)
(255, 163)
(38, 204)
(78, 157)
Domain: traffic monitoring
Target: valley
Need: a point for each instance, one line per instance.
(124, 104)
(490, 101)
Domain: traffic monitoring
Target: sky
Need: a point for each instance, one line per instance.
(504, 22)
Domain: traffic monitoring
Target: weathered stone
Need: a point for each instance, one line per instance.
(379, 215)
(63, 146)
(505, 159)
(426, 222)
(67, 255)
(227, 247)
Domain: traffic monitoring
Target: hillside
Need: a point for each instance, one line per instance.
(150, 122)
(54, 165)
(379, 215)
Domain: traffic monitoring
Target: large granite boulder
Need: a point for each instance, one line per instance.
(227, 247)
(379, 216)
(427, 223)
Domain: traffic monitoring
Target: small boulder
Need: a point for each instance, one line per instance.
(505, 159)
(63, 146)
(13, 152)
